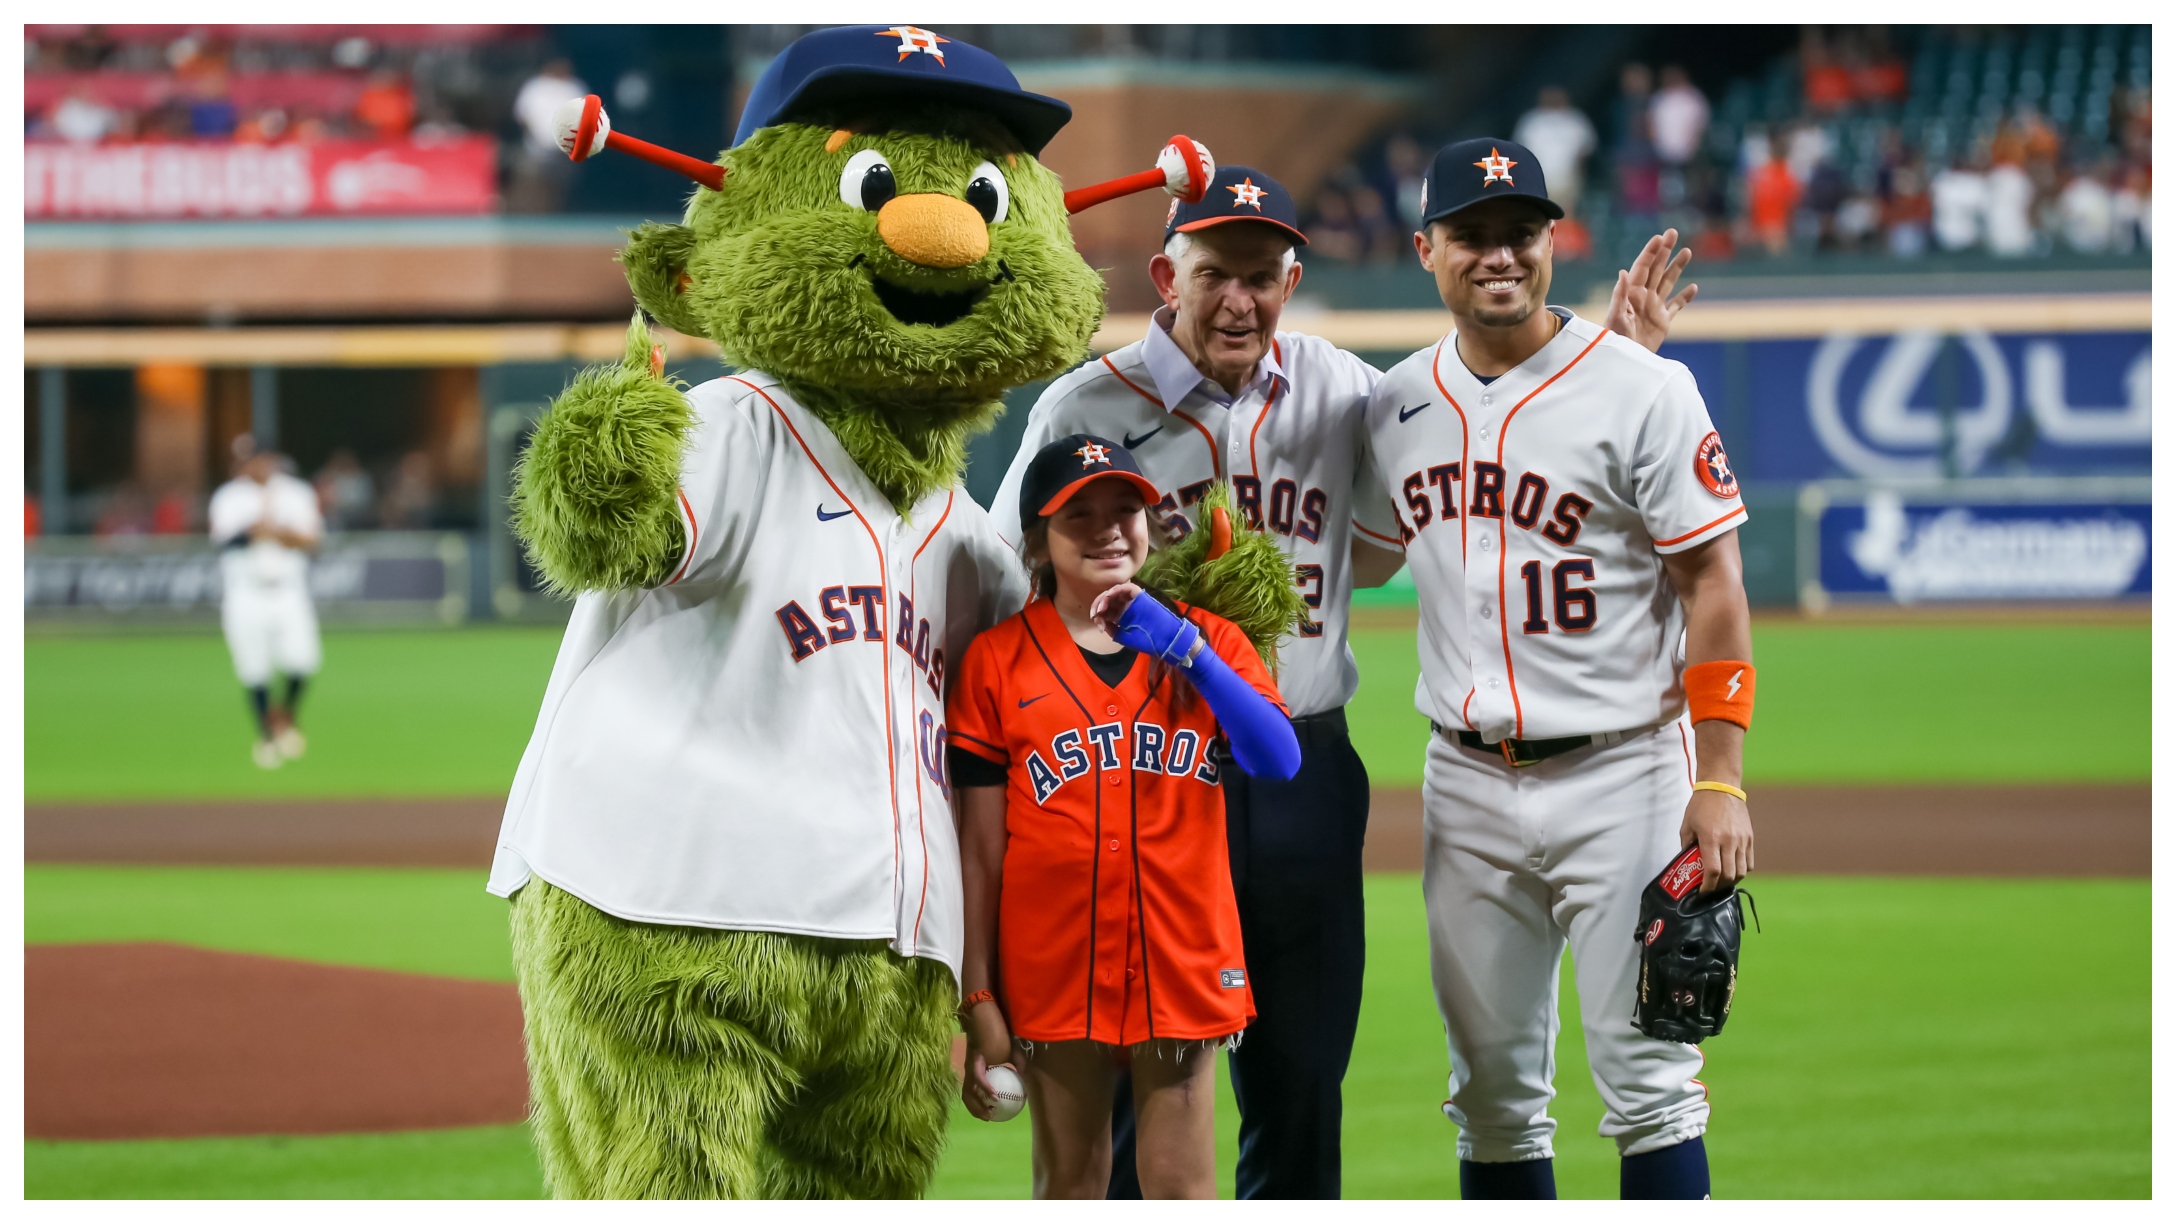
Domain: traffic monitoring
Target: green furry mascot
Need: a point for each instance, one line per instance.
(729, 846)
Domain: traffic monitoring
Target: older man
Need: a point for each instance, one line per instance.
(1216, 393)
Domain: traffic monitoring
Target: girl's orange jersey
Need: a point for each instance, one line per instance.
(1116, 920)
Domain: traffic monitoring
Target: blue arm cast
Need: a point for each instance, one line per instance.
(1262, 740)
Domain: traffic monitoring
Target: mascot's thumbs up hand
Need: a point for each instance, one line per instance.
(595, 493)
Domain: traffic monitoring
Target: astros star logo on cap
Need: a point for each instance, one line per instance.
(1497, 166)
(1249, 194)
(913, 39)
(1093, 453)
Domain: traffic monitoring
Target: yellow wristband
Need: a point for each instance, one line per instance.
(1724, 787)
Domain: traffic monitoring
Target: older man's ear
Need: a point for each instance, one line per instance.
(656, 261)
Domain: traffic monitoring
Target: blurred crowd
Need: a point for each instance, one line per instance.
(97, 84)
(85, 85)
(2013, 143)
(405, 496)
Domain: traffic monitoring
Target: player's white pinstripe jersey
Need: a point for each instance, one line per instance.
(759, 743)
(1537, 508)
(1293, 446)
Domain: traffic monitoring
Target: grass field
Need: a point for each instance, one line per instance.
(160, 717)
(1847, 1071)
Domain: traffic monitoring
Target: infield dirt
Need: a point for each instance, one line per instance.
(135, 1041)
(2009, 830)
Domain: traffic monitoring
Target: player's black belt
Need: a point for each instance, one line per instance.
(1517, 752)
(1321, 730)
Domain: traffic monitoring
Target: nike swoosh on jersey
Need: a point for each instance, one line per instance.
(1406, 414)
(821, 517)
(1032, 700)
(1132, 442)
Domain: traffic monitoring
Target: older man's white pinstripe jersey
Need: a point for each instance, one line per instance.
(1293, 445)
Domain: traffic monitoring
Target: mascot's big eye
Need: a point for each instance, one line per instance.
(986, 190)
(867, 182)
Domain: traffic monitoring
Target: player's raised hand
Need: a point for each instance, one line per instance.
(1642, 305)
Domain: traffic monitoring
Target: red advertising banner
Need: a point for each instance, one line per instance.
(333, 178)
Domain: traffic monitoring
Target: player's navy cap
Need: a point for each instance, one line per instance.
(845, 65)
(1062, 468)
(1237, 193)
(1469, 171)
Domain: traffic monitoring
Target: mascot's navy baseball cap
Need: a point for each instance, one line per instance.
(1237, 193)
(1067, 465)
(1470, 171)
(829, 70)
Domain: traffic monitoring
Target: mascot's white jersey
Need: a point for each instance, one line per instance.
(1293, 446)
(1544, 500)
(759, 743)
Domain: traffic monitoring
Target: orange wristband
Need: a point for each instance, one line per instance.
(1721, 690)
(980, 996)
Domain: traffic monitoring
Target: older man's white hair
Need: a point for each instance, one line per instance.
(1177, 246)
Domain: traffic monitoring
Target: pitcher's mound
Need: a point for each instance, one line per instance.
(134, 1041)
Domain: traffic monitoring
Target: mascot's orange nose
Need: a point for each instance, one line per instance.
(935, 231)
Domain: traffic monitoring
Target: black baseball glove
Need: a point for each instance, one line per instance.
(1688, 953)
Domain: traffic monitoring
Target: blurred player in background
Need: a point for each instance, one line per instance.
(266, 522)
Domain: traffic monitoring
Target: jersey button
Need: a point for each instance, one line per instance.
(1110, 709)
(1111, 778)
(1494, 683)
(1485, 401)
(1487, 613)
(1487, 544)
(1114, 845)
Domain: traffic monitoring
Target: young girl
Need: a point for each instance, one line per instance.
(1100, 916)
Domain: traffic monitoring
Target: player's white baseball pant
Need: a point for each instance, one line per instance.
(1519, 861)
(270, 629)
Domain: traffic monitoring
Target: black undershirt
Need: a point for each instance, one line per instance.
(1110, 668)
(970, 769)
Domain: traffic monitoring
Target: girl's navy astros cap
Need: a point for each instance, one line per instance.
(1064, 467)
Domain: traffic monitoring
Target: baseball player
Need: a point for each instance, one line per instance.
(1571, 519)
(1216, 392)
(265, 523)
(1100, 915)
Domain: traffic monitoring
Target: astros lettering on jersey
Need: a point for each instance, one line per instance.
(1292, 444)
(1119, 919)
(808, 795)
(1546, 499)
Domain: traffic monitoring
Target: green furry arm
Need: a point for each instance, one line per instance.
(596, 493)
(1251, 586)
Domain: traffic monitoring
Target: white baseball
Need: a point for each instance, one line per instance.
(1172, 161)
(1011, 1094)
(567, 122)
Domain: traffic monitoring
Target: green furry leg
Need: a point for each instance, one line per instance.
(681, 1062)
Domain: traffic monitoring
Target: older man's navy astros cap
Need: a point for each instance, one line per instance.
(1237, 193)
(1469, 171)
(827, 71)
